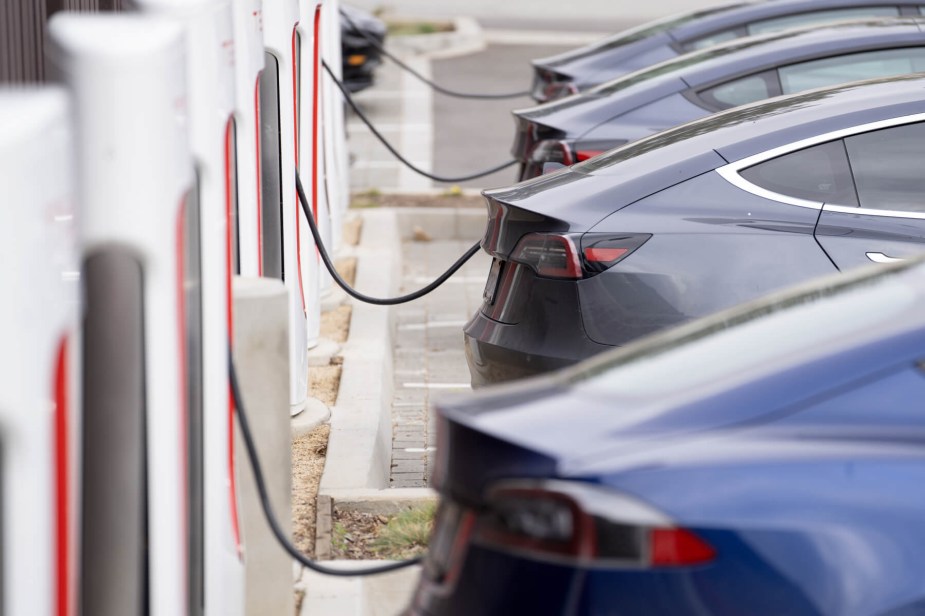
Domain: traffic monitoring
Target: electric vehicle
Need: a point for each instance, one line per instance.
(664, 39)
(698, 218)
(359, 57)
(703, 82)
(767, 460)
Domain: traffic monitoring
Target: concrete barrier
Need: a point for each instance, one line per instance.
(261, 356)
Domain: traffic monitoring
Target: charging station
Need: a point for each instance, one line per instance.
(215, 558)
(247, 21)
(141, 334)
(281, 236)
(308, 48)
(39, 407)
(336, 157)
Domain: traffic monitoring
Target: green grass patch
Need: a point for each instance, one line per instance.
(406, 534)
(412, 28)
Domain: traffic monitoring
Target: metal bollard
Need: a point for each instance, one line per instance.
(261, 357)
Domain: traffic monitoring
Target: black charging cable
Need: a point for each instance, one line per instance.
(374, 42)
(389, 301)
(267, 507)
(349, 99)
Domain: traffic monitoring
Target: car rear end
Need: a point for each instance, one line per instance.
(362, 36)
(530, 320)
(512, 537)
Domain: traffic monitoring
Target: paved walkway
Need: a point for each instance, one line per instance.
(429, 359)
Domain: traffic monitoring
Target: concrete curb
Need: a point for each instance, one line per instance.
(465, 38)
(356, 472)
(359, 448)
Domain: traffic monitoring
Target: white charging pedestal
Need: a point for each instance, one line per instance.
(216, 560)
(39, 406)
(278, 106)
(136, 190)
(309, 81)
(247, 19)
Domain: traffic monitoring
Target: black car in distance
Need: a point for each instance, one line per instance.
(664, 39)
(698, 218)
(702, 82)
(360, 33)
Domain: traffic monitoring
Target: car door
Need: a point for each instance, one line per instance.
(886, 221)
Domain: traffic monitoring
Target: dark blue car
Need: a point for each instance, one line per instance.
(698, 84)
(768, 460)
(661, 40)
(698, 218)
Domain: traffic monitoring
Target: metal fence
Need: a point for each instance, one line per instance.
(22, 34)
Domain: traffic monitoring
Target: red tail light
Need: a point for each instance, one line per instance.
(553, 255)
(675, 547)
(583, 155)
(585, 525)
(550, 255)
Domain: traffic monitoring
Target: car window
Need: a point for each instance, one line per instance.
(819, 173)
(888, 167)
(807, 19)
(741, 91)
(790, 21)
(842, 69)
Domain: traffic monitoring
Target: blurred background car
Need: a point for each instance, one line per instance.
(651, 43)
(698, 218)
(700, 83)
(768, 460)
(360, 57)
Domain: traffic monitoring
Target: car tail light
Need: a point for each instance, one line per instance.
(554, 255)
(585, 525)
(601, 251)
(583, 155)
(589, 148)
(549, 255)
(552, 151)
(559, 89)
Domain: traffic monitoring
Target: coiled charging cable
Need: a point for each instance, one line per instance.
(267, 507)
(389, 301)
(374, 42)
(437, 178)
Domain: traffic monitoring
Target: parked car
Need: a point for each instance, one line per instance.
(696, 219)
(648, 44)
(768, 460)
(703, 82)
(360, 57)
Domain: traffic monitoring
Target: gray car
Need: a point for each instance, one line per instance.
(579, 69)
(703, 82)
(697, 218)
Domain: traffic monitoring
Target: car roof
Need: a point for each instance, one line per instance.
(743, 13)
(752, 54)
(751, 129)
(683, 27)
(587, 192)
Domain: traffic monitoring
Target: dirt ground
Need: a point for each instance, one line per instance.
(309, 451)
